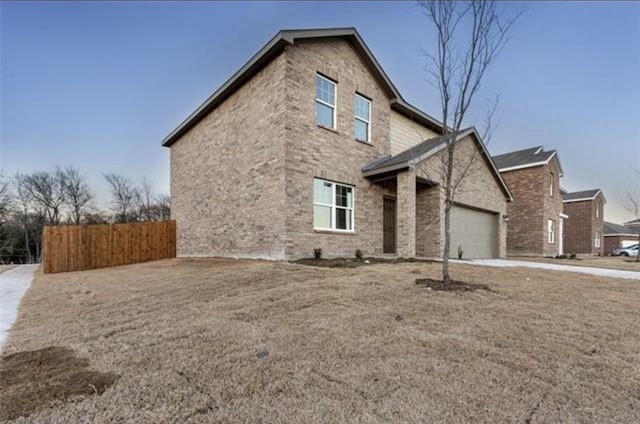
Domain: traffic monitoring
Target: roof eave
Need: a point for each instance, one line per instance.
(267, 53)
(257, 61)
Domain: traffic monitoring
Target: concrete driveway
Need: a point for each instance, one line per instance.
(13, 285)
(602, 272)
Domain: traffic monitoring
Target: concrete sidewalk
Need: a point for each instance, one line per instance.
(13, 285)
(601, 272)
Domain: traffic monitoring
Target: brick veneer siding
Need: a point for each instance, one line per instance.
(313, 151)
(580, 229)
(478, 189)
(242, 178)
(614, 242)
(228, 174)
(532, 208)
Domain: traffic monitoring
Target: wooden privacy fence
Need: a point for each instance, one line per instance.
(81, 247)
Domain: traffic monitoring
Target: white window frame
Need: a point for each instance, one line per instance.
(598, 239)
(334, 207)
(333, 107)
(597, 212)
(367, 121)
(551, 186)
(551, 231)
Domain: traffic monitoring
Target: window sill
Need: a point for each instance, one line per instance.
(339, 232)
(364, 142)
(328, 129)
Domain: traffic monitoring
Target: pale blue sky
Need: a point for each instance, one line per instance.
(98, 85)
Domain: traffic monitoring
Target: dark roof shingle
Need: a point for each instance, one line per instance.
(524, 157)
(614, 229)
(584, 194)
(411, 153)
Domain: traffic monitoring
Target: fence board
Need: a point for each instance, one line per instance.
(75, 248)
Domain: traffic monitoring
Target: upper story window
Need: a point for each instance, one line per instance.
(551, 185)
(551, 231)
(363, 118)
(597, 212)
(325, 102)
(332, 206)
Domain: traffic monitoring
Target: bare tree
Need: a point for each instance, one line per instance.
(146, 200)
(23, 200)
(124, 196)
(47, 190)
(163, 206)
(78, 193)
(6, 199)
(469, 37)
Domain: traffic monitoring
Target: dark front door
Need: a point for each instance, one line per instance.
(389, 226)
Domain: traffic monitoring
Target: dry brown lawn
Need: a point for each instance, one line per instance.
(254, 341)
(613, 262)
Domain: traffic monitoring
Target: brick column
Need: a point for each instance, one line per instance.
(406, 193)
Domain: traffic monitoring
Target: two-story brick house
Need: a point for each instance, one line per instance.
(536, 217)
(310, 145)
(585, 227)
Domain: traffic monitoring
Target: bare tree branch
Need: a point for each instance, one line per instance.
(469, 37)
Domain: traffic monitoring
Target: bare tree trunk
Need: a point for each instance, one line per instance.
(447, 211)
(459, 62)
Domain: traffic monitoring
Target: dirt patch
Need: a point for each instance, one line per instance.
(355, 263)
(34, 380)
(452, 285)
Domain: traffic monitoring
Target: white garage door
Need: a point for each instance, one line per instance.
(476, 231)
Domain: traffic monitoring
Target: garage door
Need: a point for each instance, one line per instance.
(476, 231)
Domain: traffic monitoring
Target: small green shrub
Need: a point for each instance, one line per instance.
(460, 251)
(317, 254)
(358, 254)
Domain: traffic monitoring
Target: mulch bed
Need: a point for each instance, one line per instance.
(34, 380)
(354, 263)
(452, 285)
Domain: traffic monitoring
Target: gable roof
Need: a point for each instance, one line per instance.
(274, 47)
(611, 229)
(412, 156)
(580, 196)
(527, 158)
(634, 223)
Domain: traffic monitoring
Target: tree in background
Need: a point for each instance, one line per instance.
(29, 201)
(469, 37)
(124, 195)
(78, 194)
(47, 190)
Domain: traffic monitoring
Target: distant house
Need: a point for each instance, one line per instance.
(536, 214)
(310, 145)
(616, 235)
(584, 229)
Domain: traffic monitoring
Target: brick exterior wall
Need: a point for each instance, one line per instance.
(581, 227)
(228, 174)
(614, 242)
(478, 189)
(531, 209)
(242, 178)
(313, 151)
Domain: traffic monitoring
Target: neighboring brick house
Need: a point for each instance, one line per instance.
(287, 156)
(584, 228)
(616, 235)
(536, 215)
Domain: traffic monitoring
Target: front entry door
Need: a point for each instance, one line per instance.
(389, 226)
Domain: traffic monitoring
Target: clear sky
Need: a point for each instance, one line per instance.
(98, 85)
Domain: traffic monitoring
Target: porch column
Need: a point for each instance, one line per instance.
(406, 194)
